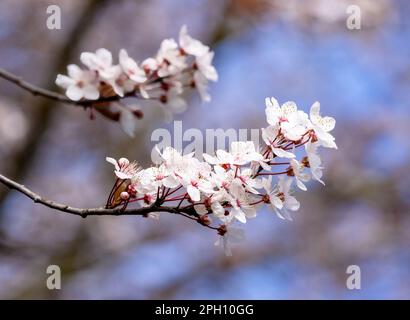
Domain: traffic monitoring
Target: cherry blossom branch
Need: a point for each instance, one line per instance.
(38, 91)
(162, 78)
(228, 186)
(187, 212)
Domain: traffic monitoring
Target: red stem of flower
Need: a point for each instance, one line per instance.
(278, 163)
(136, 199)
(182, 200)
(256, 202)
(271, 173)
(236, 171)
(173, 191)
(182, 196)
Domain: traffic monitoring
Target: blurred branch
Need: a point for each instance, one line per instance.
(188, 211)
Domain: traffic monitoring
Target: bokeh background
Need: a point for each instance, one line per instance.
(293, 50)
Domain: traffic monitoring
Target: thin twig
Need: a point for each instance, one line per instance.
(37, 91)
(85, 212)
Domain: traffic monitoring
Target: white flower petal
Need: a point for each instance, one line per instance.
(289, 107)
(90, 92)
(128, 122)
(193, 193)
(74, 71)
(291, 203)
(64, 81)
(74, 93)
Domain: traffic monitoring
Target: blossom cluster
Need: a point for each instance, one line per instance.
(230, 186)
(162, 78)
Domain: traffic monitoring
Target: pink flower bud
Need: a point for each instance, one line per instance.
(148, 198)
(123, 162)
(124, 195)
